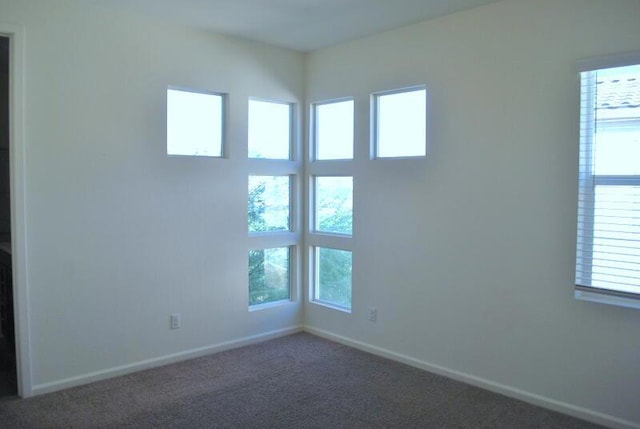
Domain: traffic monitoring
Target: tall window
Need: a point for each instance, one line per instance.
(271, 204)
(330, 176)
(608, 245)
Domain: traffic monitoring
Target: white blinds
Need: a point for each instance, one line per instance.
(608, 246)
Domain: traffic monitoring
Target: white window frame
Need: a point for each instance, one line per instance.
(314, 129)
(314, 239)
(293, 153)
(293, 237)
(588, 180)
(223, 120)
(374, 122)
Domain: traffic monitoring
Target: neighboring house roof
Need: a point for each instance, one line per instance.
(622, 92)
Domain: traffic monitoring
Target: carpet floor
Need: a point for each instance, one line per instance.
(298, 381)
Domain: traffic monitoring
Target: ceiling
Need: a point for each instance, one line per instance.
(302, 25)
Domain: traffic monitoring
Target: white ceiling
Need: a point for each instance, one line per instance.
(303, 25)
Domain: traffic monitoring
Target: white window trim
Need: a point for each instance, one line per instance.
(224, 147)
(373, 122)
(313, 131)
(293, 146)
(587, 181)
(314, 239)
(291, 238)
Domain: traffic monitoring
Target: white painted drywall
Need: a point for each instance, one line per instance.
(469, 255)
(120, 235)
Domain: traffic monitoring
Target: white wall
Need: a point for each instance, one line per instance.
(469, 255)
(119, 234)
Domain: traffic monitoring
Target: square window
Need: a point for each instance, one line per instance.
(334, 204)
(333, 276)
(269, 130)
(400, 123)
(269, 202)
(269, 275)
(194, 123)
(333, 125)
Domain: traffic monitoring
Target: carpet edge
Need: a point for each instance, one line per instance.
(117, 371)
(512, 392)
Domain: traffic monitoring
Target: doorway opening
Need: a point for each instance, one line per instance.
(8, 379)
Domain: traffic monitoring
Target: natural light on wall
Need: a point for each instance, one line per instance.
(608, 246)
(195, 123)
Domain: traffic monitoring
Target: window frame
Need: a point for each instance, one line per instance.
(314, 278)
(224, 115)
(588, 180)
(292, 205)
(313, 152)
(293, 155)
(314, 239)
(375, 120)
(313, 205)
(294, 264)
(292, 238)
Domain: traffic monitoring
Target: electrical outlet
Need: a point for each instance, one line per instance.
(174, 321)
(373, 314)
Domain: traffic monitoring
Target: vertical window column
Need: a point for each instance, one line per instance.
(272, 196)
(330, 215)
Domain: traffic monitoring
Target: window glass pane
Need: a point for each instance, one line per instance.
(269, 275)
(617, 136)
(269, 130)
(194, 123)
(334, 205)
(401, 129)
(268, 203)
(333, 276)
(334, 130)
(616, 235)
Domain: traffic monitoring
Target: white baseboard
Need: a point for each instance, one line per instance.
(160, 361)
(532, 398)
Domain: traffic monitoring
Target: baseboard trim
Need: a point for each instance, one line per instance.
(532, 398)
(160, 361)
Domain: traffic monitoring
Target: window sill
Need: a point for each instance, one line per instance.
(258, 307)
(331, 306)
(601, 298)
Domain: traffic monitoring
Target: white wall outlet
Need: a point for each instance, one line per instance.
(373, 314)
(174, 321)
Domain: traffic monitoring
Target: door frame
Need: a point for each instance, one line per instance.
(16, 35)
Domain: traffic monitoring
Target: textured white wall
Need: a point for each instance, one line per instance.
(469, 255)
(119, 234)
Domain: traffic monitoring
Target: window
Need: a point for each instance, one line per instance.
(608, 238)
(333, 277)
(399, 123)
(333, 128)
(195, 123)
(269, 203)
(269, 275)
(273, 199)
(269, 130)
(330, 215)
(334, 205)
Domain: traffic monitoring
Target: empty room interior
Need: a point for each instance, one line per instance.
(461, 255)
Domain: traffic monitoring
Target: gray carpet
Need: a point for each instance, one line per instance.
(299, 381)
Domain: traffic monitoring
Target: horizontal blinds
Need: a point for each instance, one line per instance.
(608, 246)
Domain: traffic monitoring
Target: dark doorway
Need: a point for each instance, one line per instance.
(7, 330)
